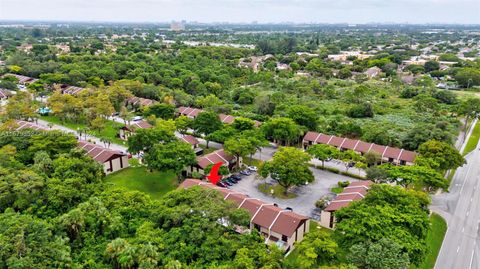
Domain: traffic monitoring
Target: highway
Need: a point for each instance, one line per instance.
(461, 209)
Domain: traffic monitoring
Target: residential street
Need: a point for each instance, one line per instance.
(74, 132)
(461, 209)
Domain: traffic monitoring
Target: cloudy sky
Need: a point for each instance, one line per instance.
(326, 11)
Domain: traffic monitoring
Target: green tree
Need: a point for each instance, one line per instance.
(145, 139)
(28, 242)
(164, 111)
(468, 77)
(303, 115)
(242, 124)
(174, 156)
(239, 147)
(394, 213)
(323, 152)
(206, 123)
(182, 124)
(288, 167)
(282, 130)
(382, 254)
(317, 247)
(443, 154)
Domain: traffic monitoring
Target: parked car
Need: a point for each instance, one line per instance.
(252, 168)
(227, 183)
(245, 172)
(221, 184)
(237, 177)
(231, 180)
(137, 118)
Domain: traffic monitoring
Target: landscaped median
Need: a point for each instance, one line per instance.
(473, 140)
(438, 228)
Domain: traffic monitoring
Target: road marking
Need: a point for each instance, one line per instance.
(465, 181)
(473, 253)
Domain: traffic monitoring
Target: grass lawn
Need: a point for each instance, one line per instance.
(278, 191)
(473, 140)
(154, 183)
(434, 241)
(336, 190)
(250, 161)
(110, 130)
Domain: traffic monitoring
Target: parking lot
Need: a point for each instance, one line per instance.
(307, 195)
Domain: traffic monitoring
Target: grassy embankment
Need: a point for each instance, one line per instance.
(109, 132)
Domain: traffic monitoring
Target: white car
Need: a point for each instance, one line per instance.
(137, 118)
(252, 168)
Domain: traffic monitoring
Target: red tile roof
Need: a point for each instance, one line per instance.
(22, 79)
(354, 192)
(140, 101)
(361, 146)
(268, 216)
(28, 125)
(141, 124)
(5, 93)
(214, 157)
(99, 153)
(190, 139)
(227, 119)
(67, 89)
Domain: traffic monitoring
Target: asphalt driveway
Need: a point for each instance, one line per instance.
(307, 195)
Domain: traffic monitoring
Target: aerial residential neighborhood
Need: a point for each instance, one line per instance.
(239, 134)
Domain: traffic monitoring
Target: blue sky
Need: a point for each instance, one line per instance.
(322, 11)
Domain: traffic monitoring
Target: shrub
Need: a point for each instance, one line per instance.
(343, 184)
(321, 204)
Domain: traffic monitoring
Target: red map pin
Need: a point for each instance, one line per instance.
(214, 177)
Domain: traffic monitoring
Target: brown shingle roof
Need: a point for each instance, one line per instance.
(28, 125)
(22, 79)
(268, 216)
(355, 191)
(193, 112)
(99, 153)
(189, 139)
(214, 157)
(141, 125)
(360, 146)
(5, 93)
(140, 101)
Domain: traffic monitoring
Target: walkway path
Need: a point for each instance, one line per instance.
(62, 128)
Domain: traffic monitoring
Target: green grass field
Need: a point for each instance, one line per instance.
(473, 140)
(336, 190)
(155, 184)
(278, 191)
(109, 132)
(434, 241)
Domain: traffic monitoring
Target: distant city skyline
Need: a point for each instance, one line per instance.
(246, 11)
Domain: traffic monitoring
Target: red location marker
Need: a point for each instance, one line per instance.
(214, 177)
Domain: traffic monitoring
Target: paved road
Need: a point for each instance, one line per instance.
(461, 209)
(74, 132)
